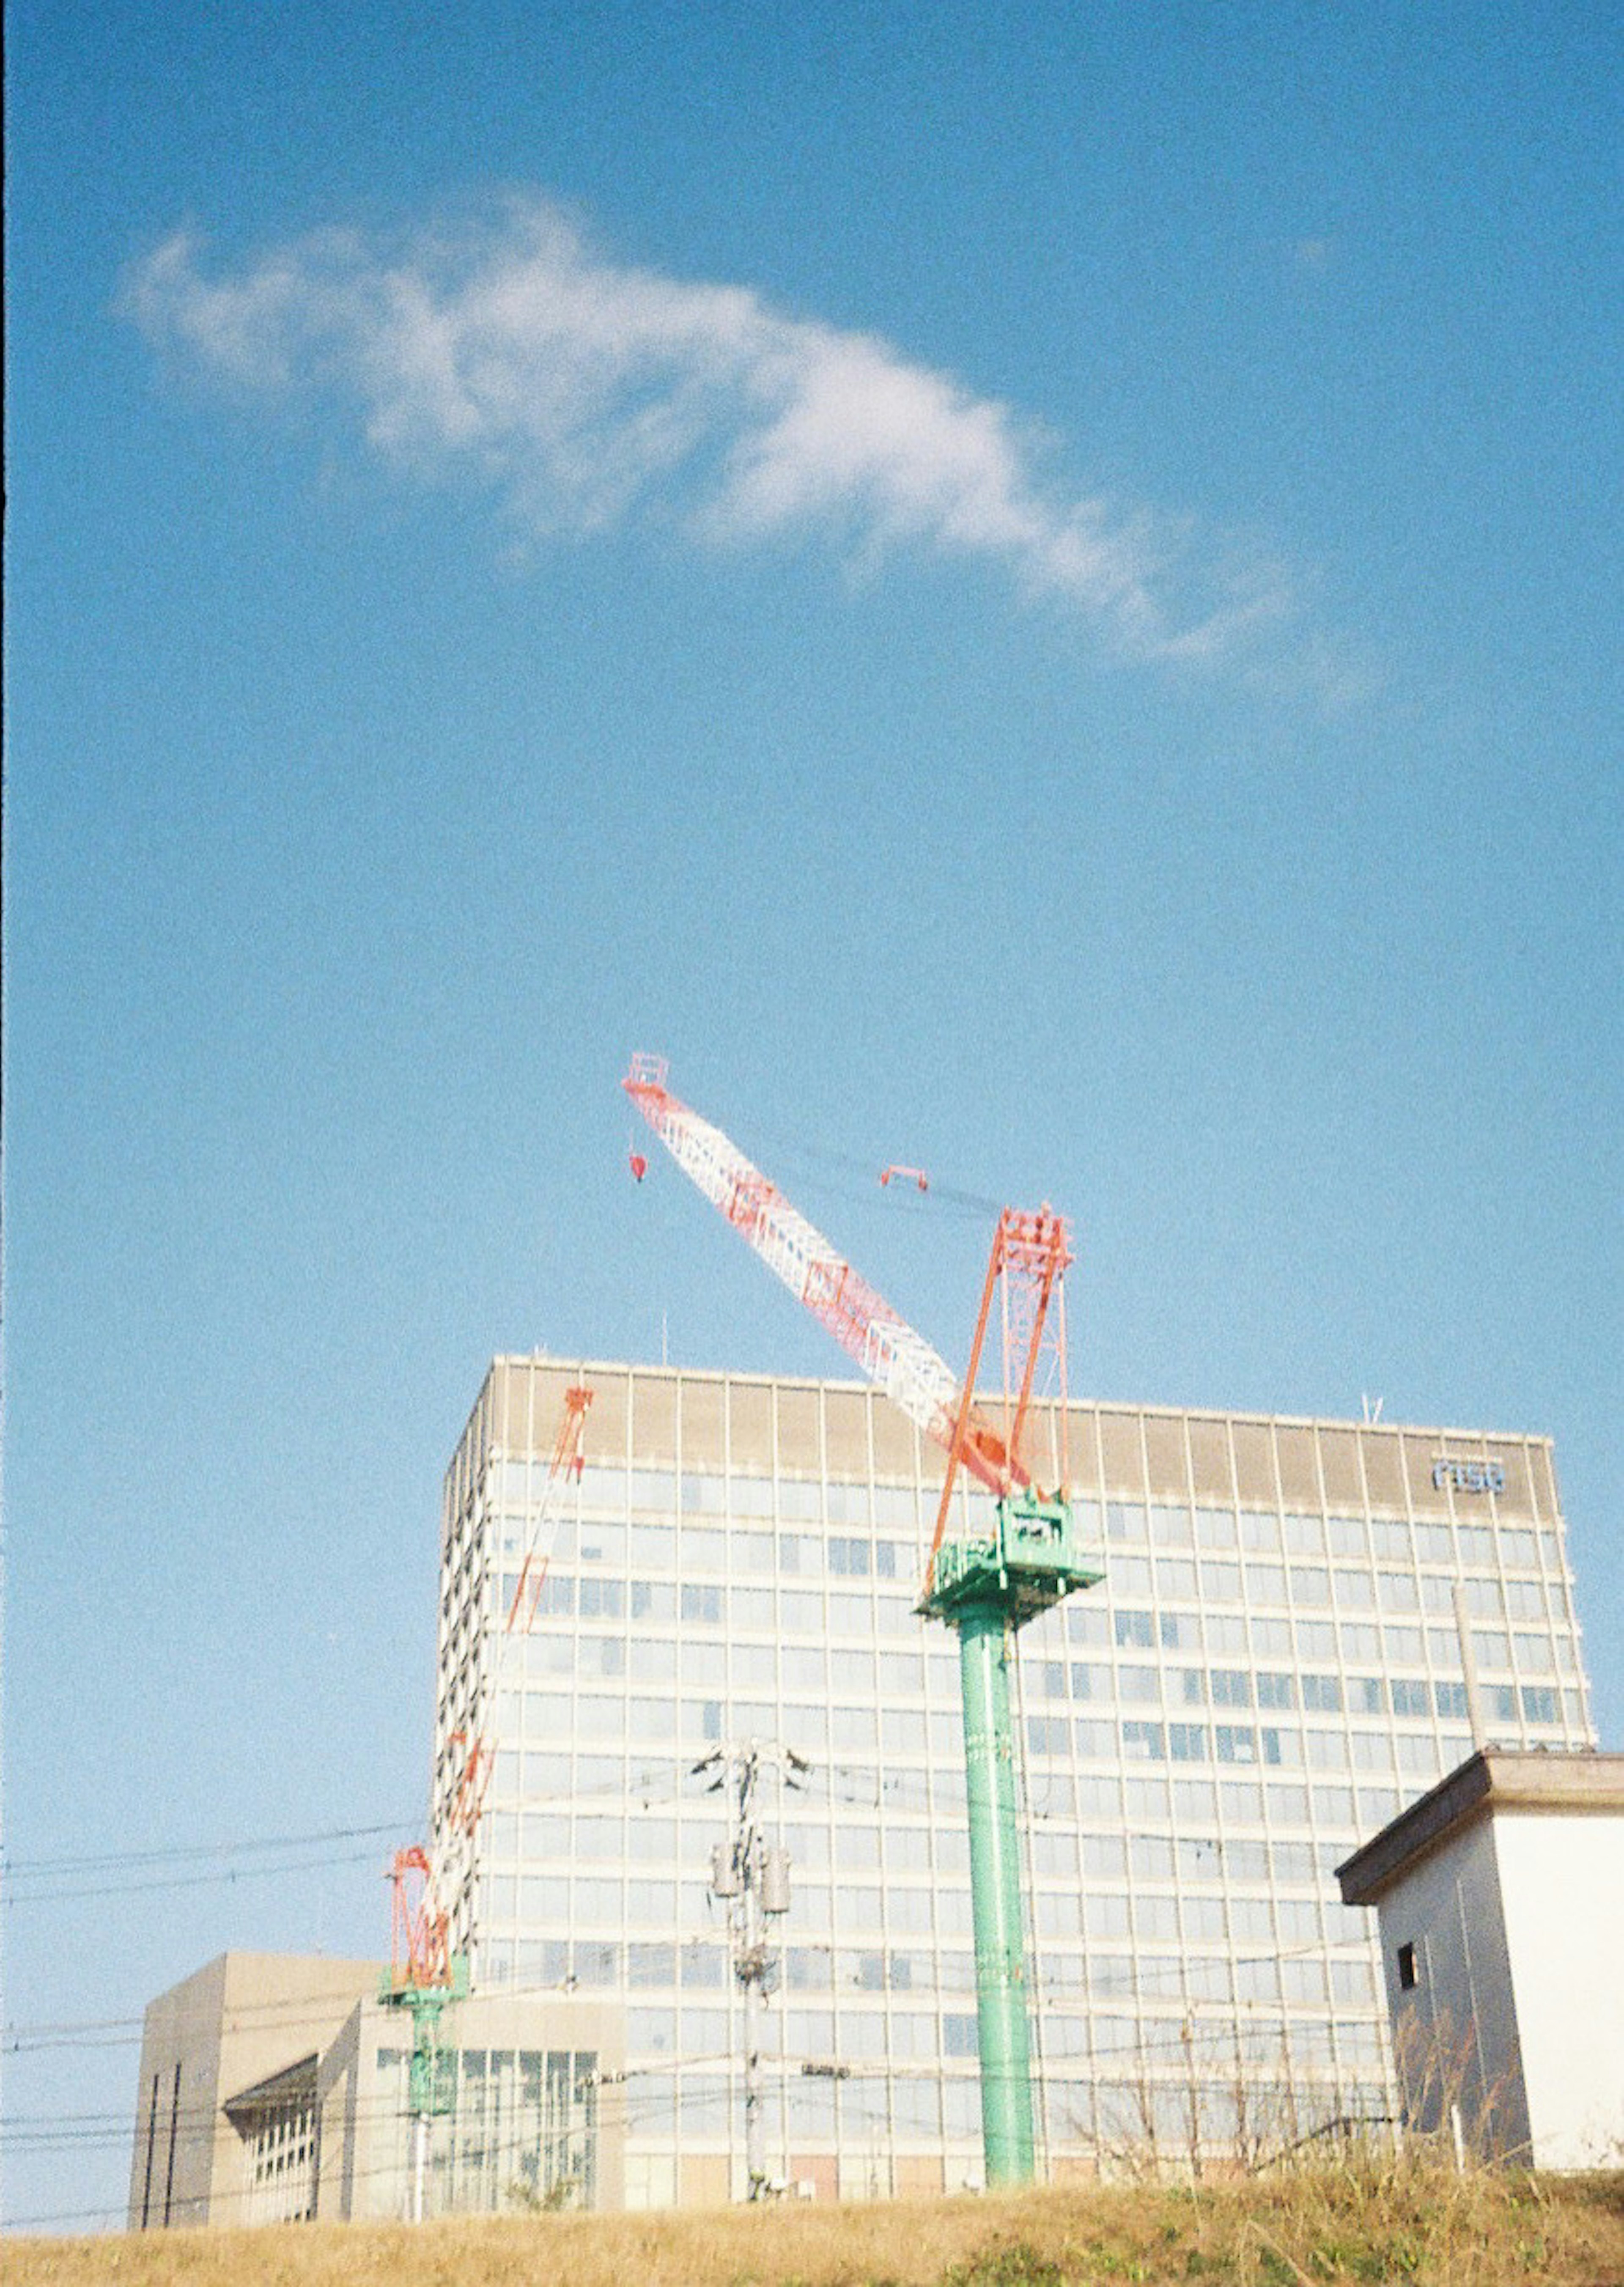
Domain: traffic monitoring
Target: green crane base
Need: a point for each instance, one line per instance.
(1030, 1560)
(431, 2085)
(986, 1590)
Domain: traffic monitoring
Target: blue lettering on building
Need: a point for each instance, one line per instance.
(1468, 1476)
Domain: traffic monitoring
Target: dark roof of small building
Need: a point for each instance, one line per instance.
(295, 2084)
(1493, 1779)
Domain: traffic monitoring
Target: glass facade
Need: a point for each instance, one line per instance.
(1281, 1656)
(521, 2131)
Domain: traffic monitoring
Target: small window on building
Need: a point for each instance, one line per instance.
(1409, 1973)
(959, 2037)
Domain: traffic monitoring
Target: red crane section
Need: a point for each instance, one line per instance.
(568, 1460)
(428, 1885)
(1026, 1274)
(1030, 1254)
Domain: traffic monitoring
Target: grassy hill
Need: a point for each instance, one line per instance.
(1309, 2229)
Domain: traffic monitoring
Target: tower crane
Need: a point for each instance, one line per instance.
(430, 1887)
(985, 1585)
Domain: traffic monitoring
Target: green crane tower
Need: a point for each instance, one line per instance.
(424, 1976)
(986, 1587)
(986, 1590)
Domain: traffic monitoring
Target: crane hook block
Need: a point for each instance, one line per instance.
(640, 1166)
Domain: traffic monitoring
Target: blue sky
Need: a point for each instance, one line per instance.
(1039, 598)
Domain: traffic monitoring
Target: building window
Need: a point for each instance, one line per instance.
(1409, 1974)
(959, 2037)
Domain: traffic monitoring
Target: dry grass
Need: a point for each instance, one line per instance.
(1313, 2228)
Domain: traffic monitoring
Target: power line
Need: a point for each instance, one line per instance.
(276, 1868)
(100, 1860)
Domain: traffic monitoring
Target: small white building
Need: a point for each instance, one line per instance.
(1499, 1906)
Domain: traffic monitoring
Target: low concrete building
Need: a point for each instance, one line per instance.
(274, 2089)
(244, 2032)
(1500, 1904)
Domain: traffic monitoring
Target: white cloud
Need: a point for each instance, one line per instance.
(590, 392)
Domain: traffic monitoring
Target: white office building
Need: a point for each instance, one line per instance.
(1276, 1663)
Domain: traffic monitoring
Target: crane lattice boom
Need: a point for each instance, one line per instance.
(431, 1885)
(891, 1355)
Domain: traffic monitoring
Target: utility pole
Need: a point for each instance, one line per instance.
(751, 1877)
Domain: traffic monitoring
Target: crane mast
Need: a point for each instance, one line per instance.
(430, 1888)
(984, 1586)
